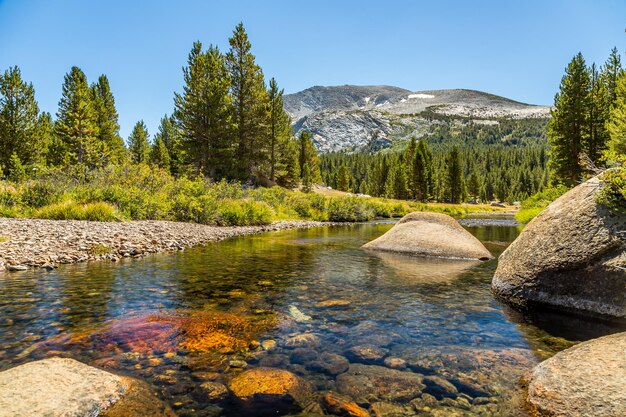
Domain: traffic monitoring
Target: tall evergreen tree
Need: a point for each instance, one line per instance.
(308, 159)
(159, 155)
(289, 177)
(597, 134)
(611, 72)
(19, 120)
(279, 129)
(77, 121)
(617, 122)
(568, 127)
(250, 105)
(170, 135)
(203, 112)
(109, 141)
(343, 178)
(455, 184)
(138, 144)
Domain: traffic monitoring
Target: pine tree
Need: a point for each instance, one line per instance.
(455, 185)
(473, 186)
(308, 159)
(289, 177)
(109, 141)
(250, 105)
(159, 155)
(279, 130)
(343, 178)
(611, 72)
(15, 170)
(617, 122)
(169, 134)
(568, 127)
(422, 171)
(19, 119)
(45, 128)
(138, 144)
(77, 122)
(203, 112)
(597, 135)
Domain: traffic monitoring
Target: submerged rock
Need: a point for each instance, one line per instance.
(588, 379)
(430, 235)
(571, 256)
(61, 386)
(368, 383)
(342, 405)
(276, 389)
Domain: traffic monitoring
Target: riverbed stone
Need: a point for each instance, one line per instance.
(430, 235)
(367, 353)
(63, 386)
(371, 383)
(342, 405)
(330, 363)
(440, 386)
(588, 379)
(276, 389)
(304, 340)
(572, 256)
(214, 391)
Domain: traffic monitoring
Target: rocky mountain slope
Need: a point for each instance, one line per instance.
(352, 117)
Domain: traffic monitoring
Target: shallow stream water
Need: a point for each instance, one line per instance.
(179, 320)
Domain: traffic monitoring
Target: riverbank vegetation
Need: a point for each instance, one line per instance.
(147, 192)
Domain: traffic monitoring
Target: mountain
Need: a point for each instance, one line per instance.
(353, 117)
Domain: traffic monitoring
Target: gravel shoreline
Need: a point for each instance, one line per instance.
(35, 243)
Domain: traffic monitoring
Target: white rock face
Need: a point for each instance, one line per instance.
(352, 117)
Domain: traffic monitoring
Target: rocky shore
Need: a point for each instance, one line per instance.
(29, 243)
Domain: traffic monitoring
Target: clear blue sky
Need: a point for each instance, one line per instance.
(517, 49)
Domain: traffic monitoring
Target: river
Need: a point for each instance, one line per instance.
(176, 320)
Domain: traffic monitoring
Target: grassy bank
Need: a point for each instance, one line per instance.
(141, 192)
(535, 204)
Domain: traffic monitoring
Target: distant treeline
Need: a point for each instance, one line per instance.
(457, 160)
(227, 123)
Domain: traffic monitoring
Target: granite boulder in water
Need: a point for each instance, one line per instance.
(430, 235)
(572, 256)
(65, 387)
(588, 379)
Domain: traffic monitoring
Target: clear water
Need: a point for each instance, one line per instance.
(145, 318)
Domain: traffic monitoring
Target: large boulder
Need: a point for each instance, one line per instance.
(588, 379)
(65, 387)
(571, 256)
(430, 235)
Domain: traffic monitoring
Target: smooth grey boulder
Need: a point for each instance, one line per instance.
(430, 235)
(572, 256)
(588, 379)
(66, 387)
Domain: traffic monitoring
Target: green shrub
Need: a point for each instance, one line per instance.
(524, 216)
(613, 193)
(243, 213)
(69, 210)
(535, 204)
(41, 193)
(350, 209)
